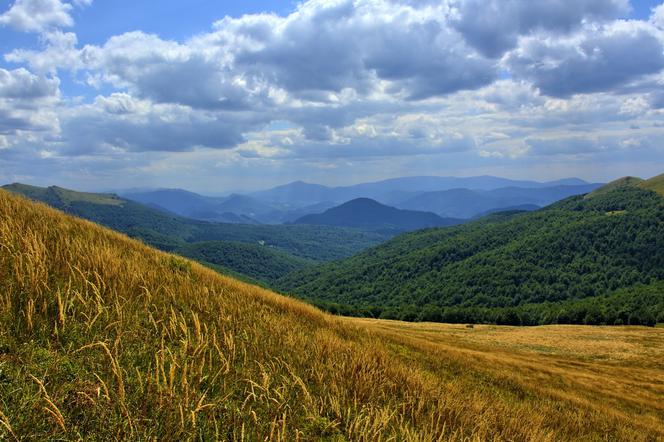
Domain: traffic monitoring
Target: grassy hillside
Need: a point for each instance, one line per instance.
(103, 338)
(579, 248)
(169, 231)
(656, 184)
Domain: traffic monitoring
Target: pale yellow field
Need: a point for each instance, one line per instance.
(619, 370)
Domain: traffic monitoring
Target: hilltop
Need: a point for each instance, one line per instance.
(553, 265)
(104, 338)
(656, 184)
(368, 214)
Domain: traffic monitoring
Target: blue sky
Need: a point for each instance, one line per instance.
(224, 96)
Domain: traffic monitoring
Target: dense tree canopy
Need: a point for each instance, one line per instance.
(573, 253)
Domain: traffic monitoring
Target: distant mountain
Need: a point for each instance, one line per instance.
(289, 202)
(297, 194)
(176, 201)
(392, 190)
(467, 203)
(234, 208)
(553, 265)
(192, 205)
(434, 183)
(369, 214)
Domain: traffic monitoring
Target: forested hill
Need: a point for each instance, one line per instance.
(581, 247)
(369, 214)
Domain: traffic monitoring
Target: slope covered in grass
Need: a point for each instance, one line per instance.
(656, 184)
(103, 338)
(578, 248)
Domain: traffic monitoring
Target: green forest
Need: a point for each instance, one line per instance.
(261, 263)
(581, 260)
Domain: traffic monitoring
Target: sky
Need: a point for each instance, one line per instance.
(221, 96)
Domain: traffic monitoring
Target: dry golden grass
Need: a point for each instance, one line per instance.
(102, 338)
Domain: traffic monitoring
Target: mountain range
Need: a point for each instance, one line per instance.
(467, 203)
(448, 197)
(391, 190)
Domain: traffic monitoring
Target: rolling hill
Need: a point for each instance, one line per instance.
(104, 338)
(496, 268)
(368, 214)
(172, 232)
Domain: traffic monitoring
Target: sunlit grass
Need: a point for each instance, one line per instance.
(103, 338)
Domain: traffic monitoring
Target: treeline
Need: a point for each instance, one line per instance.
(639, 305)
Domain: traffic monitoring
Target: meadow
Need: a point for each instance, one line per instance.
(104, 338)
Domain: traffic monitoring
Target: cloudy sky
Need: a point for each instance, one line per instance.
(221, 96)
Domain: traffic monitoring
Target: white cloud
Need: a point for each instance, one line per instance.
(20, 84)
(39, 15)
(494, 26)
(338, 83)
(657, 17)
(593, 60)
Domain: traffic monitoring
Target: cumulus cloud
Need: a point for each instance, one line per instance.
(26, 103)
(321, 50)
(564, 145)
(657, 17)
(594, 60)
(494, 26)
(329, 46)
(23, 85)
(511, 95)
(121, 123)
(40, 15)
(343, 81)
(59, 52)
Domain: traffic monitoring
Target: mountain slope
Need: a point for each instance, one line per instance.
(577, 248)
(103, 338)
(259, 262)
(369, 214)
